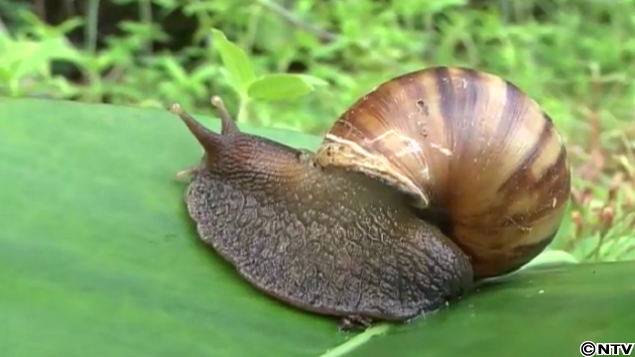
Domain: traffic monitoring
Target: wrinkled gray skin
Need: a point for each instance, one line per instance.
(324, 240)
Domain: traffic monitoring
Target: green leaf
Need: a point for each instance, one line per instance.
(98, 254)
(236, 61)
(551, 309)
(552, 257)
(313, 80)
(279, 86)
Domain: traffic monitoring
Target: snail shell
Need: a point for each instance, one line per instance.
(476, 155)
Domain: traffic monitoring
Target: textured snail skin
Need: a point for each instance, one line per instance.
(329, 240)
(471, 150)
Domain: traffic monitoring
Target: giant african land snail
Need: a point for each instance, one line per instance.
(431, 182)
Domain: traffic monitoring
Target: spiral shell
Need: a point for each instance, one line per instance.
(469, 145)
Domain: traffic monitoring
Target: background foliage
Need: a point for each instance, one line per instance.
(574, 56)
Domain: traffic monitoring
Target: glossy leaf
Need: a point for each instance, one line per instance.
(98, 256)
(236, 62)
(279, 86)
(541, 311)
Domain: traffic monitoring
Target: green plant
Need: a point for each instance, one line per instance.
(574, 57)
(244, 82)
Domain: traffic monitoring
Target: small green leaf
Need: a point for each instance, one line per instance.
(236, 62)
(314, 81)
(279, 86)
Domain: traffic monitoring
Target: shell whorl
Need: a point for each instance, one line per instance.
(469, 144)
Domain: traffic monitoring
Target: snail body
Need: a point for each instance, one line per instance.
(431, 182)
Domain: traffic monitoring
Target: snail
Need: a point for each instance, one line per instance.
(432, 182)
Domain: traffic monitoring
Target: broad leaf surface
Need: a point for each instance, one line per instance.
(97, 256)
(540, 311)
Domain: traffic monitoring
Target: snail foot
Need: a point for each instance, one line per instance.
(354, 323)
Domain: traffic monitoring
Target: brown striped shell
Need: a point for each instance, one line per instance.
(469, 145)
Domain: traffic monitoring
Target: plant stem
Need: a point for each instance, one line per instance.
(243, 108)
(92, 22)
(357, 341)
(289, 17)
(145, 17)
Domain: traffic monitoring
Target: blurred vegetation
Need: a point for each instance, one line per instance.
(574, 56)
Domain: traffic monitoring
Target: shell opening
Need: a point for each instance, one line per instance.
(339, 152)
